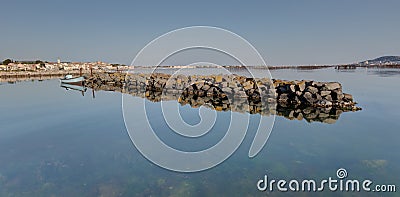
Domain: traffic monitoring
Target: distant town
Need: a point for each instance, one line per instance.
(38, 65)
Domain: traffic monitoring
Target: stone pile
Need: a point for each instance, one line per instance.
(312, 93)
(320, 101)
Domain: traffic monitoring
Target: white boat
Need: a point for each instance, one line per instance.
(72, 80)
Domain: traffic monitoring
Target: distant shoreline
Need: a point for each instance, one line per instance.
(15, 76)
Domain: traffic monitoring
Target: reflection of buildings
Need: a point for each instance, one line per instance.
(24, 67)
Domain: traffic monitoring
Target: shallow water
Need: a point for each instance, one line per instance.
(55, 142)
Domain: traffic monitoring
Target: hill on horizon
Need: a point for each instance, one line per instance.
(384, 59)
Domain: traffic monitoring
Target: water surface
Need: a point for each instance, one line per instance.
(55, 142)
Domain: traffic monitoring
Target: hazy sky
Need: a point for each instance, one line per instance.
(284, 32)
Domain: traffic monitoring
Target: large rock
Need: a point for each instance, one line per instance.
(328, 98)
(302, 86)
(347, 97)
(312, 89)
(317, 84)
(337, 95)
(292, 88)
(332, 86)
(325, 93)
(309, 97)
(218, 78)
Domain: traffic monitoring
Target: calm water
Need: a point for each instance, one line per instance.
(55, 142)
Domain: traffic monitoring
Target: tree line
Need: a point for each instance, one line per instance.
(8, 61)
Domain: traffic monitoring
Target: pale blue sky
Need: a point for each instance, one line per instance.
(284, 32)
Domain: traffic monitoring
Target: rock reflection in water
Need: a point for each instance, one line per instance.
(221, 102)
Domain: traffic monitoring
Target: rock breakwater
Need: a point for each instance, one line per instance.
(309, 100)
(256, 90)
(313, 93)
